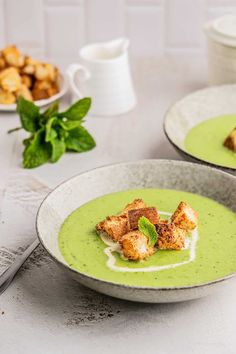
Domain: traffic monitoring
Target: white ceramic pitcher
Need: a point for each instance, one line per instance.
(104, 75)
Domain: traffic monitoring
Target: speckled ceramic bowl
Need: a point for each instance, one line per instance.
(169, 174)
(192, 110)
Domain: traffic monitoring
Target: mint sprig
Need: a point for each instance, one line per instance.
(52, 133)
(148, 229)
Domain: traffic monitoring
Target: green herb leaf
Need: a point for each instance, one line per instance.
(69, 124)
(50, 132)
(36, 152)
(63, 134)
(148, 229)
(27, 141)
(29, 115)
(58, 149)
(78, 110)
(52, 110)
(79, 140)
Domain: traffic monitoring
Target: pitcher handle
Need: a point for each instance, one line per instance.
(71, 71)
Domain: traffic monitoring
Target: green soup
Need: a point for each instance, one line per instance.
(205, 141)
(210, 255)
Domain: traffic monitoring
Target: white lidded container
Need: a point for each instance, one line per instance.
(221, 35)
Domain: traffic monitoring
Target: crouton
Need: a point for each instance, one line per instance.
(185, 217)
(136, 204)
(135, 214)
(30, 65)
(135, 246)
(163, 222)
(10, 79)
(46, 72)
(27, 80)
(40, 90)
(52, 72)
(7, 97)
(24, 92)
(53, 90)
(41, 72)
(43, 89)
(114, 226)
(170, 237)
(3, 63)
(230, 141)
(13, 57)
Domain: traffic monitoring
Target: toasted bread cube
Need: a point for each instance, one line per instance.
(28, 69)
(7, 97)
(230, 141)
(136, 204)
(52, 72)
(114, 226)
(24, 92)
(3, 63)
(40, 90)
(46, 72)
(29, 66)
(13, 57)
(27, 80)
(41, 72)
(170, 237)
(44, 89)
(185, 217)
(163, 222)
(135, 214)
(135, 246)
(10, 79)
(53, 90)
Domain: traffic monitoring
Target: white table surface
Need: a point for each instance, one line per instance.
(43, 311)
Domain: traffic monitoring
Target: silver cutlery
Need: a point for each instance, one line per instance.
(8, 275)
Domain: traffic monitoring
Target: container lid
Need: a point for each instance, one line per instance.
(223, 30)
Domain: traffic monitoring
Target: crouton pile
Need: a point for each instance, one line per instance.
(230, 141)
(21, 75)
(123, 228)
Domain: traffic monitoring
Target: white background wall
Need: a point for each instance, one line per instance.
(58, 28)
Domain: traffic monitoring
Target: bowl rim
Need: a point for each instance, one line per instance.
(184, 152)
(119, 285)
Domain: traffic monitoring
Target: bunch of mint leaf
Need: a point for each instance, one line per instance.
(52, 133)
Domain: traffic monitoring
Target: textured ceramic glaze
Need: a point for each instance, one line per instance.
(194, 109)
(141, 174)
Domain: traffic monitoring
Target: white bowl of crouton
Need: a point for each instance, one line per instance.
(201, 127)
(21, 75)
(159, 275)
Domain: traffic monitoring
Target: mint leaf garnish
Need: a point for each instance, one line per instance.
(79, 140)
(50, 132)
(29, 115)
(53, 133)
(78, 110)
(58, 149)
(148, 229)
(36, 152)
(52, 110)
